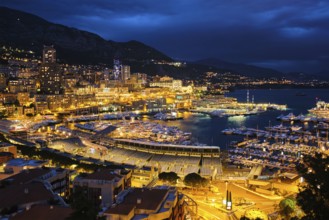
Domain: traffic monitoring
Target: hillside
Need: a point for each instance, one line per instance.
(27, 31)
(243, 69)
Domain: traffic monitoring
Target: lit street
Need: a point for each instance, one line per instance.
(210, 205)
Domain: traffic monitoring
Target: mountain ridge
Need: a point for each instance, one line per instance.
(27, 31)
(244, 69)
(24, 30)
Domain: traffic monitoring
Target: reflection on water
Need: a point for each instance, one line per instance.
(208, 130)
(236, 121)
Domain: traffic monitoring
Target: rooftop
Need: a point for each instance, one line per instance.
(26, 176)
(4, 144)
(123, 209)
(41, 212)
(68, 143)
(23, 194)
(21, 162)
(140, 198)
(169, 145)
(6, 154)
(104, 174)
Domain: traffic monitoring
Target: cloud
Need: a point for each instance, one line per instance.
(277, 33)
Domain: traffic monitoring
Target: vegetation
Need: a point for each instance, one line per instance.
(195, 180)
(288, 208)
(83, 208)
(313, 197)
(254, 214)
(56, 159)
(170, 177)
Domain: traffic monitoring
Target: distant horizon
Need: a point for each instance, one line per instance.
(280, 35)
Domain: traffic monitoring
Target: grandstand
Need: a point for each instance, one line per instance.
(181, 159)
(168, 149)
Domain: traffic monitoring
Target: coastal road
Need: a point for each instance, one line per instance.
(210, 204)
(267, 205)
(208, 209)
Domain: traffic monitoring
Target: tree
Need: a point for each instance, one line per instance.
(83, 208)
(195, 180)
(287, 207)
(171, 177)
(313, 197)
(254, 214)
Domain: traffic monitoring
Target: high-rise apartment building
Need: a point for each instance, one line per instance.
(125, 73)
(48, 54)
(50, 73)
(116, 69)
(51, 78)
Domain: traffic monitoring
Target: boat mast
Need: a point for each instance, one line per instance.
(248, 96)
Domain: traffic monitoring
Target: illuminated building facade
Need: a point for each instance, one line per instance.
(50, 73)
(116, 69)
(125, 73)
(48, 54)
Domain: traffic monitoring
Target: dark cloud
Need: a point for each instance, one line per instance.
(286, 35)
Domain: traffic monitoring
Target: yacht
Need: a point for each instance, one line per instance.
(300, 117)
(295, 128)
(320, 110)
(278, 128)
(167, 116)
(228, 131)
(288, 117)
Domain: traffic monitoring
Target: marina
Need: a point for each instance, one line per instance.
(265, 143)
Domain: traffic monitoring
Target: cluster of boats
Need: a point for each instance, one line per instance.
(148, 131)
(320, 113)
(167, 116)
(321, 109)
(113, 116)
(92, 126)
(295, 133)
(301, 118)
(234, 112)
(282, 146)
(272, 155)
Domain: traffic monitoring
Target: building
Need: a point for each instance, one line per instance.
(150, 105)
(144, 176)
(41, 104)
(183, 101)
(4, 157)
(116, 69)
(13, 86)
(42, 212)
(125, 73)
(48, 54)
(25, 99)
(3, 81)
(50, 73)
(51, 79)
(23, 196)
(147, 203)
(103, 186)
(58, 179)
(7, 152)
(19, 164)
(166, 82)
(6, 147)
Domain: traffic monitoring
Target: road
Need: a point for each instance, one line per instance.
(210, 204)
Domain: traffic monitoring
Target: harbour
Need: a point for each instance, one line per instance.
(276, 137)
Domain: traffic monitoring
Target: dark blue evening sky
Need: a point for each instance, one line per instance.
(289, 35)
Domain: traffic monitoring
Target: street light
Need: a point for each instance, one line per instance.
(229, 201)
(225, 199)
